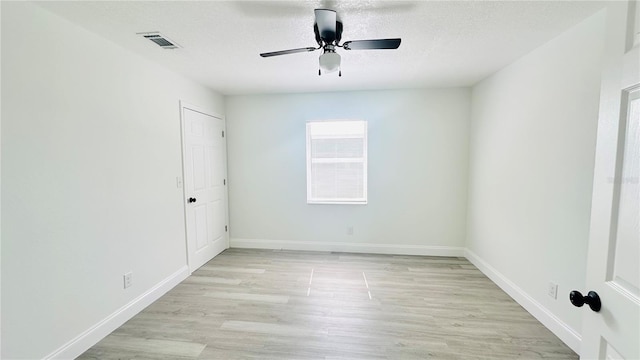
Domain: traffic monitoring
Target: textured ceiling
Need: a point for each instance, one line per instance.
(444, 43)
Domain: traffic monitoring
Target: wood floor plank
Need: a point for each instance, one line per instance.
(154, 346)
(263, 304)
(212, 280)
(276, 299)
(272, 329)
(232, 269)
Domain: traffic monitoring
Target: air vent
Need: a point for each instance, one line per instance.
(160, 40)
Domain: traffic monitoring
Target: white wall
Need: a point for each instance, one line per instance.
(90, 154)
(531, 168)
(417, 172)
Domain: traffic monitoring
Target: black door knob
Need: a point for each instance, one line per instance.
(592, 299)
(192, 200)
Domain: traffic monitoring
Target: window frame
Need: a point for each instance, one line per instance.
(365, 160)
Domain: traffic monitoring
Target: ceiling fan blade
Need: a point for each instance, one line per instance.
(326, 20)
(286, 52)
(372, 44)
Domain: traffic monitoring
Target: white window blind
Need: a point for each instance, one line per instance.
(337, 162)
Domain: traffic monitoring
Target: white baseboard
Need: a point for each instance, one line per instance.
(546, 317)
(97, 332)
(370, 248)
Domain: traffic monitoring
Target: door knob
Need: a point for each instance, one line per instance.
(592, 299)
(192, 200)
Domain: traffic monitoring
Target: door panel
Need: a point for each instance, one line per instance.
(217, 209)
(200, 217)
(198, 166)
(626, 235)
(204, 170)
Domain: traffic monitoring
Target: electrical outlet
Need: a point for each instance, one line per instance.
(128, 278)
(349, 230)
(552, 290)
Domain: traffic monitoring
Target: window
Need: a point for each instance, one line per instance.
(337, 162)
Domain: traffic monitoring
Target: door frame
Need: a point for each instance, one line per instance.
(185, 105)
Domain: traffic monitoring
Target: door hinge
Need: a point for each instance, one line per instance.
(222, 133)
(224, 181)
(226, 228)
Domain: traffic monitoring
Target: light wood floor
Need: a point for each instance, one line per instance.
(262, 304)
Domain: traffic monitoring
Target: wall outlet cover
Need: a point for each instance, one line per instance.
(128, 278)
(552, 290)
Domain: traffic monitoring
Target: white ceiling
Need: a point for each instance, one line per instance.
(444, 43)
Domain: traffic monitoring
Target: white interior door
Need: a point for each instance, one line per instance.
(614, 245)
(204, 186)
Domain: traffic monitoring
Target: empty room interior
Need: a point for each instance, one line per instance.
(320, 180)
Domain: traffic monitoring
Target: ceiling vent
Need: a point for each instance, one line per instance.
(160, 40)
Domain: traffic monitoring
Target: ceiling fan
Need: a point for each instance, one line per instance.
(328, 30)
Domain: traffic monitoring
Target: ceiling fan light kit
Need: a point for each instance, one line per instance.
(329, 62)
(328, 32)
